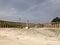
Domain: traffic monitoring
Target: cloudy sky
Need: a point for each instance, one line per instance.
(36, 11)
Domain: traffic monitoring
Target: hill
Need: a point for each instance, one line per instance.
(15, 24)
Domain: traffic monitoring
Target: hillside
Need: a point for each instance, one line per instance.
(15, 24)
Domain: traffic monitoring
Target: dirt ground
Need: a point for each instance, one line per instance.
(40, 36)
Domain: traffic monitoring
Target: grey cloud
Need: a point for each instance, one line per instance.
(33, 10)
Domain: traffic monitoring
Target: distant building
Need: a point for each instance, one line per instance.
(52, 25)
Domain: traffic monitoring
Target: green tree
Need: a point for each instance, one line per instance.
(57, 19)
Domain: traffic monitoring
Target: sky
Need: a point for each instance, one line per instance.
(36, 11)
